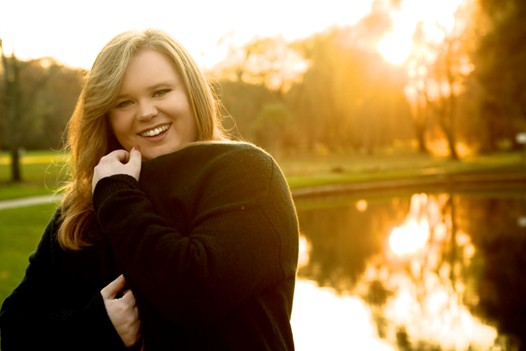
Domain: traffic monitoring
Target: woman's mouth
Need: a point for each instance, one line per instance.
(155, 131)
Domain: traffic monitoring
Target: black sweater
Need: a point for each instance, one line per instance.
(208, 242)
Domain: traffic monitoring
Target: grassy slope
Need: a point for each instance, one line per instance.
(20, 231)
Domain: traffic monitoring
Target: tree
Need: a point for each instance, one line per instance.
(349, 96)
(274, 129)
(438, 70)
(264, 61)
(12, 110)
(443, 103)
(52, 107)
(337, 89)
(242, 102)
(19, 96)
(500, 60)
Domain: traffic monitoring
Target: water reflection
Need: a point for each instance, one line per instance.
(323, 320)
(424, 271)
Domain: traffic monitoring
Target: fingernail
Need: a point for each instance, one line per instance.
(137, 147)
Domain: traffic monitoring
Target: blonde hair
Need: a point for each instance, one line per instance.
(88, 132)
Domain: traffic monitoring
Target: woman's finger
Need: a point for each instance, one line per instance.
(111, 290)
(135, 162)
(128, 297)
(110, 164)
(135, 156)
(120, 155)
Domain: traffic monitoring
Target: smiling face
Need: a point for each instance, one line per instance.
(152, 110)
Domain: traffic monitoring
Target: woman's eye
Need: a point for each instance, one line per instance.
(161, 93)
(123, 104)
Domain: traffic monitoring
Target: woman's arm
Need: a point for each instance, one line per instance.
(241, 239)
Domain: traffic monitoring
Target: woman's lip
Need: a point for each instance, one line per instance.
(164, 127)
(157, 138)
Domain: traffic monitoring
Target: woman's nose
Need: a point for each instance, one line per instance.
(147, 110)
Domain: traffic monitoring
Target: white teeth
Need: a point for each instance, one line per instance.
(155, 131)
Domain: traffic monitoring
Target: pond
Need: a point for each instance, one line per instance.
(429, 270)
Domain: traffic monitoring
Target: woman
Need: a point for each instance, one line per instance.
(169, 236)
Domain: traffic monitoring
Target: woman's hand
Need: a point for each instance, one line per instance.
(122, 310)
(118, 162)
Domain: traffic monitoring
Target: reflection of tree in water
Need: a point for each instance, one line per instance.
(342, 239)
(455, 272)
(500, 240)
(413, 287)
(470, 267)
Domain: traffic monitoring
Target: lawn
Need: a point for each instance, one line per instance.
(44, 172)
(20, 231)
(338, 169)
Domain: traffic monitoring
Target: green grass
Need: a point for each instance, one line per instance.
(43, 172)
(20, 231)
(356, 168)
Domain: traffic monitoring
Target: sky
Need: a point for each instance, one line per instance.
(73, 31)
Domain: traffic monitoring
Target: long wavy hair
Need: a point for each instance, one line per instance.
(89, 135)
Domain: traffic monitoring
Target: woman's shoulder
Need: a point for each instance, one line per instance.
(236, 169)
(227, 146)
(242, 153)
(217, 158)
(210, 152)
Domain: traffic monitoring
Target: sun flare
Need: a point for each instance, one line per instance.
(409, 238)
(429, 21)
(395, 48)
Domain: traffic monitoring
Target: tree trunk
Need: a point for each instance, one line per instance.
(12, 105)
(16, 172)
(451, 144)
(421, 139)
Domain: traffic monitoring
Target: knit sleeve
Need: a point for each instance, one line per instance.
(33, 318)
(241, 237)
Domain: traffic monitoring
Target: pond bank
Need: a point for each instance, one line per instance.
(506, 178)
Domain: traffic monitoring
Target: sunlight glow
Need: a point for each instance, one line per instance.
(424, 21)
(438, 317)
(394, 48)
(304, 251)
(361, 205)
(426, 302)
(409, 238)
(414, 234)
(323, 320)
